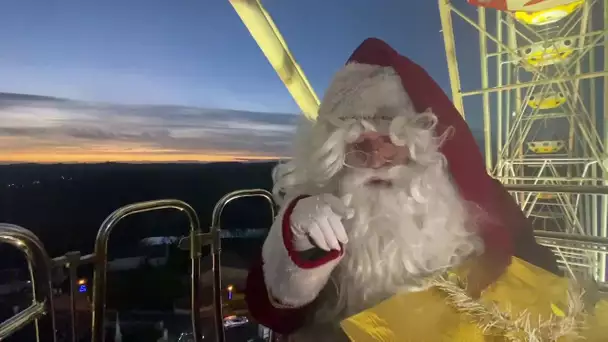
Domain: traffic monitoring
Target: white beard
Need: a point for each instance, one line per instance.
(399, 236)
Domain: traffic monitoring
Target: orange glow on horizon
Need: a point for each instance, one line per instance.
(126, 157)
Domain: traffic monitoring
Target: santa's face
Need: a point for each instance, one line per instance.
(371, 156)
(376, 171)
(409, 219)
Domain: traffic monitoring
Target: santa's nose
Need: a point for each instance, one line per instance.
(377, 161)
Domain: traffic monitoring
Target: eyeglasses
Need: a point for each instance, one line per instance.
(364, 160)
(373, 150)
(359, 159)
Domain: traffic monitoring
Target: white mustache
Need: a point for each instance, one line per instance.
(384, 173)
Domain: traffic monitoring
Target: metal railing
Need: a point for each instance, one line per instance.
(39, 264)
(574, 241)
(555, 189)
(216, 248)
(101, 262)
(576, 252)
(42, 312)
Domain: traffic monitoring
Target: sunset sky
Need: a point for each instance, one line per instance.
(50, 130)
(157, 80)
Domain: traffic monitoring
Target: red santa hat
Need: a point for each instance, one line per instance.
(418, 93)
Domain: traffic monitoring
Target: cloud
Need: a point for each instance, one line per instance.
(47, 129)
(41, 126)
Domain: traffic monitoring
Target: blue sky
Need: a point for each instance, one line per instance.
(197, 53)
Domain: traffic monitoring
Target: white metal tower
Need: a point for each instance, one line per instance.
(542, 88)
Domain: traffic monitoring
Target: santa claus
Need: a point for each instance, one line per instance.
(386, 189)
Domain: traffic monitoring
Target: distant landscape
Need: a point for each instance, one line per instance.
(64, 205)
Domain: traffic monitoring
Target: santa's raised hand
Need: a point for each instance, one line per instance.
(317, 222)
(294, 271)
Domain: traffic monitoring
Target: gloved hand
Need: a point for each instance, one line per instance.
(317, 222)
(315, 225)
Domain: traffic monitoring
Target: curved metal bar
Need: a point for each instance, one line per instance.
(101, 261)
(570, 189)
(573, 241)
(238, 194)
(39, 263)
(217, 248)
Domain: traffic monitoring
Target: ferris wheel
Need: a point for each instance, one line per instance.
(542, 77)
(542, 88)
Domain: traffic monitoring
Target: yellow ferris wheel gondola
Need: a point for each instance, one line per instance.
(540, 54)
(546, 146)
(550, 100)
(548, 16)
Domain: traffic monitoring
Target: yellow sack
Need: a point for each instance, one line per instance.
(527, 303)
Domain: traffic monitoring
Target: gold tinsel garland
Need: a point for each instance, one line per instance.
(513, 327)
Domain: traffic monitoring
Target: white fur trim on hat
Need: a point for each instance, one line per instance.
(360, 92)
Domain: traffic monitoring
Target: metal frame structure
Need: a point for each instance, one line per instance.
(262, 28)
(39, 265)
(101, 261)
(42, 312)
(541, 90)
(533, 79)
